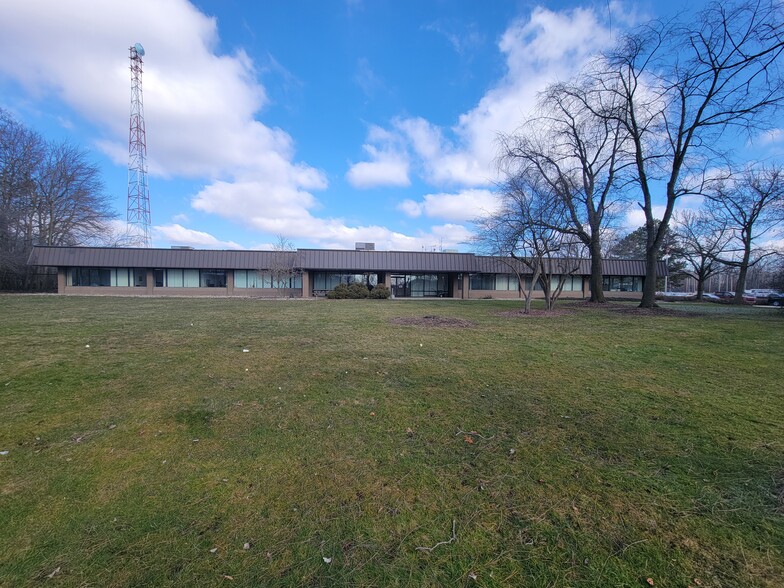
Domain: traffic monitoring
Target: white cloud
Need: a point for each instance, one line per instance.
(175, 234)
(387, 168)
(388, 165)
(538, 50)
(200, 106)
(256, 205)
(466, 205)
(771, 137)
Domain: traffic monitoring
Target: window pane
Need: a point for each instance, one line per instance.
(174, 278)
(190, 278)
(213, 279)
(241, 279)
(140, 277)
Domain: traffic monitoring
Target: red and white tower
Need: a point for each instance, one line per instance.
(138, 218)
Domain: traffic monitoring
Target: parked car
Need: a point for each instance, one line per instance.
(776, 299)
(728, 297)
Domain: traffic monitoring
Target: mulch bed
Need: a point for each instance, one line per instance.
(433, 321)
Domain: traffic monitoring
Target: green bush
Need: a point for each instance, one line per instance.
(380, 291)
(339, 292)
(343, 291)
(357, 290)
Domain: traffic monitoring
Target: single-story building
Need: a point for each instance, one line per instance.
(313, 272)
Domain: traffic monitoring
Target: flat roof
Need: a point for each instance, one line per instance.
(316, 260)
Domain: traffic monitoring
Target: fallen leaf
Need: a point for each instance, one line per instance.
(246, 546)
(54, 573)
(327, 560)
(214, 550)
(228, 577)
(469, 439)
(697, 581)
(472, 575)
(511, 451)
(650, 581)
(372, 414)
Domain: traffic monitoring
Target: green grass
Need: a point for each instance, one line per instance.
(609, 447)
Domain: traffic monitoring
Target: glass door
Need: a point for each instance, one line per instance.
(400, 287)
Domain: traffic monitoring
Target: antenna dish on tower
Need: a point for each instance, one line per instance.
(139, 49)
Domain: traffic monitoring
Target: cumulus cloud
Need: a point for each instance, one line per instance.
(466, 205)
(178, 235)
(200, 106)
(388, 165)
(538, 50)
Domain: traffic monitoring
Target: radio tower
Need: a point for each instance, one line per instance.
(138, 189)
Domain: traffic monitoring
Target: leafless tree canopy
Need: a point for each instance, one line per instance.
(703, 239)
(681, 89)
(748, 205)
(50, 194)
(526, 230)
(578, 157)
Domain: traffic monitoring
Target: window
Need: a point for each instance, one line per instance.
(140, 278)
(91, 276)
(622, 283)
(212, 278)
(482, 282)
(257, 279)
(328, 280)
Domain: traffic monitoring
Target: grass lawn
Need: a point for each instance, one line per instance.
(345, 448)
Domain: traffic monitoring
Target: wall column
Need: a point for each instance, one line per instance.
(150, 281)
(466, 281)
(230, 282)
(61, 279)
(454, 282)
(307, 291)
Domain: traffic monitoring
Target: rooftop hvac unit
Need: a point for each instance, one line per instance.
(364, 246)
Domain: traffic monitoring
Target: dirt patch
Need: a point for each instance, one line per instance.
(537, 312)
(634, 310)
(433, 321)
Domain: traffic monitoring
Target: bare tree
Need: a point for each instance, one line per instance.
(50, 194)
(578, 156)
(703, 239)
(522, 231)
(749, 207)
(283, 267)
(679, 89)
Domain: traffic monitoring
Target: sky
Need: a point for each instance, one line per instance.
(323, 122)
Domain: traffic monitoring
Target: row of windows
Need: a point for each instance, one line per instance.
(510, 282)
(255, 279)
(176, 278)
(328, 280)
(622, 283)
(92, 276)
(402, 284)
(420, 285)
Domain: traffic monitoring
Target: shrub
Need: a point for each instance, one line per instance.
(343, 291)
(380, 291)
(357, 290)
(340, 291)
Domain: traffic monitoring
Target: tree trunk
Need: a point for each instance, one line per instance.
(649, 286)
(700, 287)
(597, 278)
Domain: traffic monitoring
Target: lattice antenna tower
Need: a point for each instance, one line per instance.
(139, 218)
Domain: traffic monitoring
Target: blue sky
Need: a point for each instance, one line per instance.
(326, 122)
